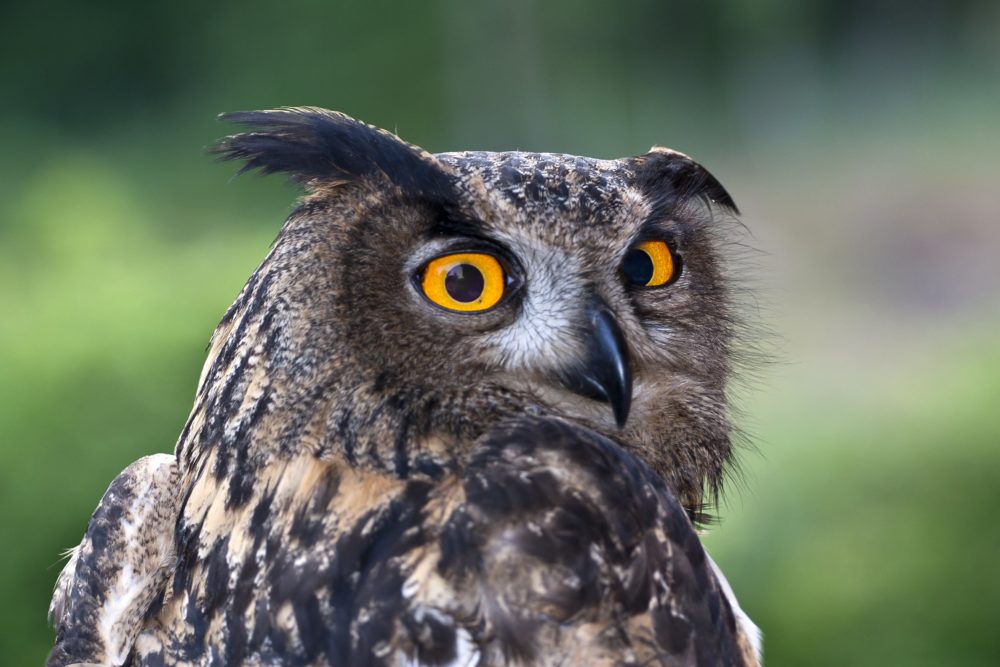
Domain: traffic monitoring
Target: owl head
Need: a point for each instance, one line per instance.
(412, 301)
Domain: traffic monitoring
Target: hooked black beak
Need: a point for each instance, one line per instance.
(604, 374)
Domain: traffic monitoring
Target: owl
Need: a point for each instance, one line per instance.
(467, 411)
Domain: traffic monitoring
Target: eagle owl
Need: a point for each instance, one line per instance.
(467, 411)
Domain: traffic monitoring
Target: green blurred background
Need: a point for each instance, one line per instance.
(861, 140)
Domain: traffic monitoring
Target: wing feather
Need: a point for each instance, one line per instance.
(563, 548)
(119, 568)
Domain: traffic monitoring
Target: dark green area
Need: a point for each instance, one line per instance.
(859, 138)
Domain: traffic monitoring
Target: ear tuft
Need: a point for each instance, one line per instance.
(314, 146)
(663, 170)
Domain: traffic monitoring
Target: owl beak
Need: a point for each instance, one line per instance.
(605, 374)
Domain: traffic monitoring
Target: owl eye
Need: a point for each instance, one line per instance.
(464, 281)
(651, 264)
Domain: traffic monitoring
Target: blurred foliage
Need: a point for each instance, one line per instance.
(860, 138)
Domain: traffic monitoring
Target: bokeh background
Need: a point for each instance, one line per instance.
(861, 139)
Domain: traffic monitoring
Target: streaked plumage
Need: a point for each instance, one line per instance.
(369, 479)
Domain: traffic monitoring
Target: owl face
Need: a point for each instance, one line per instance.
(585, 288)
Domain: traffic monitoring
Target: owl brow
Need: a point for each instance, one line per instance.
(660, 224)
(451, 225)
(672, 218)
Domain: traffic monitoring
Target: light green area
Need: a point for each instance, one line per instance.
(865, 533)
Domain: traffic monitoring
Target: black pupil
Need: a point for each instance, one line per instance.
(638, 267)
(464, 283)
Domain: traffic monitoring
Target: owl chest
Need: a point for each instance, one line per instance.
(310, 570)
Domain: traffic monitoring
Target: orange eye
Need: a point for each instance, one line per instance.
(650, 264)
(464, 281)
